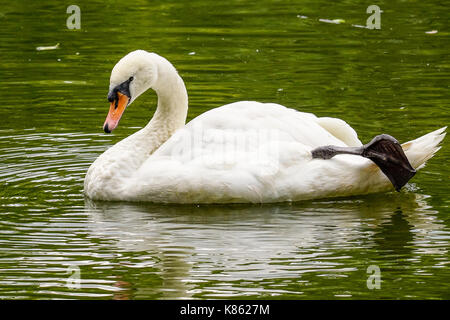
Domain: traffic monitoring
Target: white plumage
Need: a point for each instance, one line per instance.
(241, 152)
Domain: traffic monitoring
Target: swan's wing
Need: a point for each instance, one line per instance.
(341, 130)
(247, 118)
(245, 151)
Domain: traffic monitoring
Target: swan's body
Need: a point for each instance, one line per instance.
(241, 152)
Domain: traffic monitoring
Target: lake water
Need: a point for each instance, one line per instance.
(394, 80)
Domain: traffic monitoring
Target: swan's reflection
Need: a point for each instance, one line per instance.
(221, 247)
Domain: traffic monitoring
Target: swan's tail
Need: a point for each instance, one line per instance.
(388, 159)
(418, 151)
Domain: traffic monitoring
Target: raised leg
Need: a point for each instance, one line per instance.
(384, 150)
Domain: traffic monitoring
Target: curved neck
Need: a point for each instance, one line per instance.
(170, 115)
(172, 108)
(123, 159)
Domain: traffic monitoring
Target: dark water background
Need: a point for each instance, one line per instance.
(394, 80)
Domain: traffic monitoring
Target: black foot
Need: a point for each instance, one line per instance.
(384, 150)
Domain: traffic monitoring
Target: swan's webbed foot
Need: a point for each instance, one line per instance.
(384, 150)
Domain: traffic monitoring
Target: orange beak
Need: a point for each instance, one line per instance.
(116, 110)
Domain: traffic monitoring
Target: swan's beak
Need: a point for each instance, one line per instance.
(116, 110)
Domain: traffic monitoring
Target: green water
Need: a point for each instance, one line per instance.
(394, 80)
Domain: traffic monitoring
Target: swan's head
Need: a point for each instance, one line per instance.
(131, 76)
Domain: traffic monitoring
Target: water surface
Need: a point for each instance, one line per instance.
(394, 80)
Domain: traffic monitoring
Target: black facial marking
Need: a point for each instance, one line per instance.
(123, 88)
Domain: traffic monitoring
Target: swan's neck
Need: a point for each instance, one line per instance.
(114, 167)
(171, 112)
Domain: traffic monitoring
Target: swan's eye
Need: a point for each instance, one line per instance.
(123, 88)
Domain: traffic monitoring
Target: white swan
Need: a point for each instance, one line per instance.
(246, 152)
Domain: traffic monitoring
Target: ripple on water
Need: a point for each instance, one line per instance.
(200, 251)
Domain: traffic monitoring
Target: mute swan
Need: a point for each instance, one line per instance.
(243, 152)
